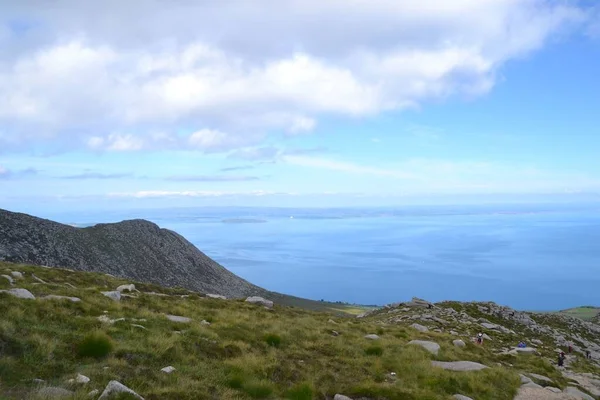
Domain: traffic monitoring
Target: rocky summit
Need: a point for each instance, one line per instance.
(135, 249)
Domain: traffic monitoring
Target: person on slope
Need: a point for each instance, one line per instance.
(480, 339)
(561, 359)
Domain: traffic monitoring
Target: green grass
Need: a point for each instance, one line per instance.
(247, 352)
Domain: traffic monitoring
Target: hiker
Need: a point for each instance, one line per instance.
(570, 349)
(480, 339)
(588, 355)
(430, 306)
(561, 359)
(522, 345)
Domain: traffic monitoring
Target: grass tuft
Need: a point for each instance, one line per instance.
(273, 340)
(95, 345)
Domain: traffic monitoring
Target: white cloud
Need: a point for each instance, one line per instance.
(89, 68)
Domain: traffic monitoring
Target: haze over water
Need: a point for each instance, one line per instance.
(529, 257)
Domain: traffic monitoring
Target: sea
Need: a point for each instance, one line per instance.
(534, 257)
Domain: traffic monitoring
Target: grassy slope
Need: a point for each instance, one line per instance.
(231, 358)
(585, 313)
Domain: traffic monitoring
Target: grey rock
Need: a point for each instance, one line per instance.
(489, 326)
(537, 341)
(17, 275)
(454, 333)
(115, 387)
(341, 397)
(372, 336)
(335, 333)
(129, 288)
(216, 296)
(578, 393)
(553, 389)
(114, 295)
(458, 343)
(205, 323)
(177, 318)
(332, 322)
(420, 327)
(538, 377)
(525, 350)
(8, 278)
(431, 347)
(139, 326)
(168, 370)
(55, 297)
(93, 393)
(459, 365)
(461, 397)
(525, 379)
(39, 382)
(20, 293)
(51, 392)
(38, 279)
(486, 337)
(531, 385)
(260, 300)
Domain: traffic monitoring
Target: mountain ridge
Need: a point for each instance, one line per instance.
(134, 249)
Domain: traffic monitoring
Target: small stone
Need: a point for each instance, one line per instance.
(39, 381)
(553, 389)
(458, 343)
(9, 279)
(139, 326)
(93, 393)
(372, 336)
(332, 322)
(335, 333)
(216, 296)
(82, 379)
(454, 333)
(38, 279)
(177, 318)
(260, 300)
(205, 323)
(486, 337)
(17, 274)
(341, 397)
(420, 327)
(114, 295)
(168, 370)
(461, 397)
(20, 293)
(115, 387)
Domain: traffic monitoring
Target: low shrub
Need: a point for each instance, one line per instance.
(95, 345)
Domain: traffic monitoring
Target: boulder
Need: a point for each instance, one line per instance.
(177, 318)
(51, 392)
(114, 295)
(55, 297)
(17, 274)
(527, 393)
(458, 343)
(486, 337)
(20, 293)
(260, 300)
(532, 385)
(372, 336)
(431, 347)
(459, 365)
(9, 279)
(114, 388)
(553, 389)
(578, 394)
(420, 327)
(461, 397)
(129, 288)
(216, 296)
(487, 325)
(168, 370)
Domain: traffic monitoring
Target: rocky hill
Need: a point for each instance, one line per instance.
(135, 249)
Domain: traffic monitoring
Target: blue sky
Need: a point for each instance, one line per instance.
(306, 103)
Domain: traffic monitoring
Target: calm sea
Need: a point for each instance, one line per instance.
(529, 257)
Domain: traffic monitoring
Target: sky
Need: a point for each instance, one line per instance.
(152, 103)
